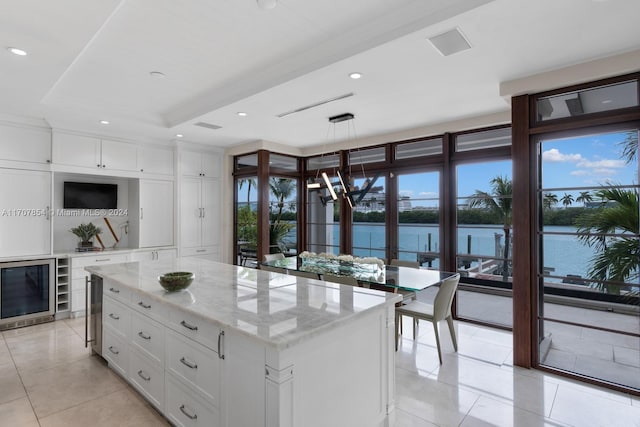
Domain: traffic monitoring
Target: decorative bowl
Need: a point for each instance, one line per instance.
(176, 281)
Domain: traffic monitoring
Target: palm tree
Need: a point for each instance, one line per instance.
(549, 200)
(282, 189)
(566, 200)
(617, 258)
(584, 197)
(630, 145)
(250, 182)
(499, 202)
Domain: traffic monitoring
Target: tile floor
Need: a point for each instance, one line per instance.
(48, 378)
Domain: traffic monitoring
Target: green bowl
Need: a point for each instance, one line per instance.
(176, 281)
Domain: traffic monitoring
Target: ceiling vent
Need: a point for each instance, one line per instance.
(317, 104)
(450, 42)
(207, 125)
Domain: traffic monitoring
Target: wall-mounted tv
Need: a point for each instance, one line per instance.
(87, 195)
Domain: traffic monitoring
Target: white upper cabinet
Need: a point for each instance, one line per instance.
(76, 150)
(25, 144)
(25, 218)
(198, 163)
(155, 161)
(119, 155)
(95, 153)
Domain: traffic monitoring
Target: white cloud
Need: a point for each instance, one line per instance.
(554, 155)
(599, 164)
(579, 173)
(407, 193)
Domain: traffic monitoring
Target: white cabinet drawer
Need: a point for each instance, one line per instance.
(195, 328)
(200, 251)
(185, 408)
(116, 316)
(148, 306)
(119, 292)
(116, 351)
(196, 365)
(81, 262)
(147, 377)
(147, 335)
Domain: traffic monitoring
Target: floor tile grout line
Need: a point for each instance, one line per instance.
(26, 392)
(81, 403)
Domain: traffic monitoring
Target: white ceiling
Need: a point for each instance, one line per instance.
(90, 60)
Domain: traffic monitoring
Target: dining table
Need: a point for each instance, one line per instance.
(379, 277)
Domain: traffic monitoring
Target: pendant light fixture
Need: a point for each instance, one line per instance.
(352, 194)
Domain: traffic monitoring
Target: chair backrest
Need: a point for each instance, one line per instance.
(307, 274)
(273, 257)
(403, 263)
(344, 280)
(444, 298)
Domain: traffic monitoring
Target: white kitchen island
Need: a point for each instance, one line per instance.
(243, 347)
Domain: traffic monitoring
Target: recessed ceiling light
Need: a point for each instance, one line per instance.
(242, 114)
(17, 51)
(104, 122)
(179, 135)
(157, 74)
(607, 101)
(355, 76)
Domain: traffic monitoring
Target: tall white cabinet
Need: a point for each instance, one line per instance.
(25, 217)
(151, 201)
(200, 214)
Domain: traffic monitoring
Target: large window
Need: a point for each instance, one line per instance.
(588, 234)
(418, 207)
(246, 219)
(283, 214)
(484, 249)
(369, 221)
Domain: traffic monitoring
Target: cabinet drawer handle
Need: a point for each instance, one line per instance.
(144, 336)
(201, 250)
(188, 326)
(220, 349)
(114, 317)
(184, 411)
(103, 260)
(144, 375)
(143, 305)
(114, 290)
(189, 364)
(114, 351)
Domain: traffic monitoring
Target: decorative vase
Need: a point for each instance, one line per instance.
(84, 245)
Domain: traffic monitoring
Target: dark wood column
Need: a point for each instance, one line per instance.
(263, 204)
(524, 271)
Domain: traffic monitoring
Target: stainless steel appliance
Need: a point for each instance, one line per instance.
(93, 321)
(27, 292)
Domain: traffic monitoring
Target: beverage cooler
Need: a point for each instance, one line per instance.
(27, 292)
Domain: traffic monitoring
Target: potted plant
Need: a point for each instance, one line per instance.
(86, 232)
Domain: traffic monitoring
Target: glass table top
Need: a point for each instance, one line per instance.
(413, 279)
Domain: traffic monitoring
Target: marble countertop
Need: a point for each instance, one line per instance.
(277, 309)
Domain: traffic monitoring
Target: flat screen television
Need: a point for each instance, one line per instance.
(87, 195)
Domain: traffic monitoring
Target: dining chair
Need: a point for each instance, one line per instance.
(439, 310)
(307, 274)
(273, 257)
(403, 263)
(344, 280)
